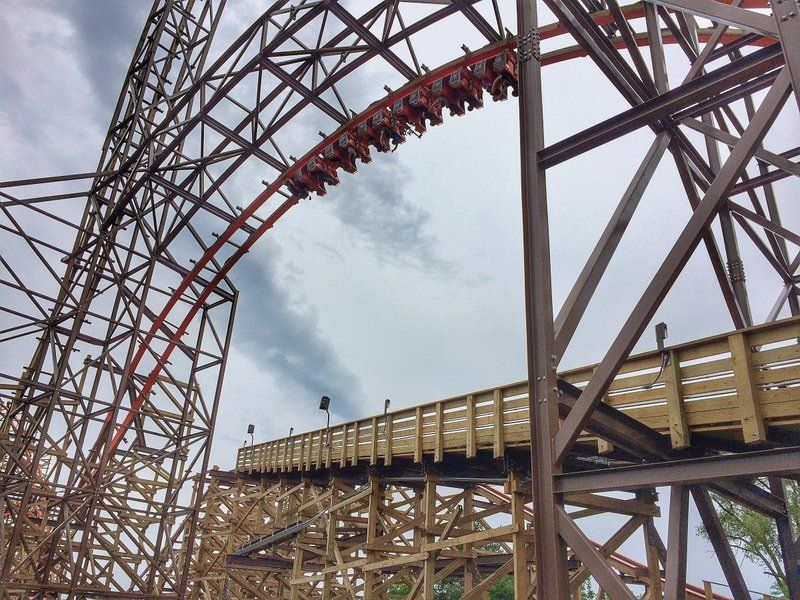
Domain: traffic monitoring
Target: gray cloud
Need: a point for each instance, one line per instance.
(279, 332)
(106, 35)
(374, 206)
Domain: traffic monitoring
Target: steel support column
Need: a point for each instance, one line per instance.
(786, 540)
(552, 579)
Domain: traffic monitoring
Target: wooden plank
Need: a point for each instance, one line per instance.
(499, 430)
(753, 429)
(418, 436)
(438, 454)
(356, 442)
(393, 562)
(679, 433)
(288, 442)
(470, 425)
(483, 587)
(328, 448)
(708, 590)
(373, 453)
(343, 455)
(387, 456)
(506, 531)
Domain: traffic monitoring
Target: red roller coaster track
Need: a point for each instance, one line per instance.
(385, 105)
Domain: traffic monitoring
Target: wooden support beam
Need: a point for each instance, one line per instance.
(521, 573)
(387, 452)
(753, 428)
(482, 589)
(499, 430)
(356, 441)
(373, 453)
(419, 428)
(299, 552)
(654, 587)
(328, 448)
(375, 493)
(469, 578)
(343, 454)
(438, 455)
(429, 566)
(471, 428)
(708, 590)
(676, 543)
(679, 433)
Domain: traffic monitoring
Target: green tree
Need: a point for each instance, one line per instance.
(756, 536)
(452, 588)
(503, 589)
(398, 591)
(587, 593)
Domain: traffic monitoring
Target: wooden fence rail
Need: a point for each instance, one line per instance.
(735, 385)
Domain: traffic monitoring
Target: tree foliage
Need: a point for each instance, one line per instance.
(452, 588)
(756, 535)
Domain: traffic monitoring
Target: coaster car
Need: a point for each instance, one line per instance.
(498, 75)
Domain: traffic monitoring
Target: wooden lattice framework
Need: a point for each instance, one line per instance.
(443, 490)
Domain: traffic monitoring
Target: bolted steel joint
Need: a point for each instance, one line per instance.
(736, 270)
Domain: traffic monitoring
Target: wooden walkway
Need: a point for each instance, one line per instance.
(736, 386)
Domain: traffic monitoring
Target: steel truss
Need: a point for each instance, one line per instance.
(105, 422)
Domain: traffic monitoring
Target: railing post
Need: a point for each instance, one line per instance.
(752, 423)
(679, 433)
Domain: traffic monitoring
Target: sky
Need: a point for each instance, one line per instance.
(405, 282)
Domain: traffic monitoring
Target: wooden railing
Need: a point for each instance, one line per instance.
(732, 385)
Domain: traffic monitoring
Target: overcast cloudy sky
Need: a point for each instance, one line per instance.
(406, 281)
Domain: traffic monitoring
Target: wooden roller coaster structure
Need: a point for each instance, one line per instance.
(105, 483)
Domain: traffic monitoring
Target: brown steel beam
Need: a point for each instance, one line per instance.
(549, 548)
(673, 264)
(683, 472)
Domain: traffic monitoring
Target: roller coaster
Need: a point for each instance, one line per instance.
(121, 340)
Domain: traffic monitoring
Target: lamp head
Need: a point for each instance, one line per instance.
(661, 335)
